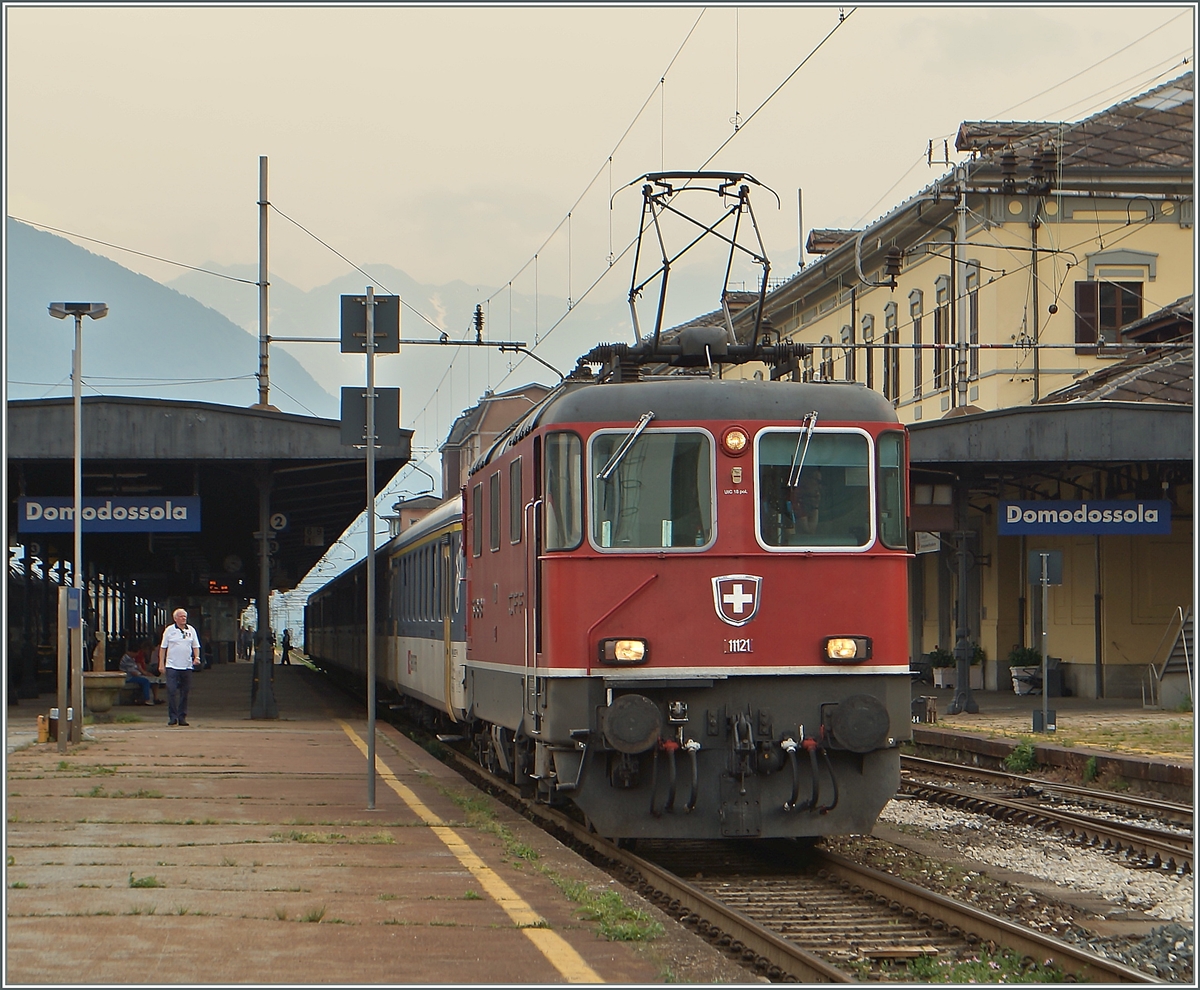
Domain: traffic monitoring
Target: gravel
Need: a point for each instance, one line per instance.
(1167, 951)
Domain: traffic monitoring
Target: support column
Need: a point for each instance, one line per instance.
(28, 685)
(262, 692)
(964, 700)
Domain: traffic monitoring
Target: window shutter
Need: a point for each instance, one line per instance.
(1087, 305)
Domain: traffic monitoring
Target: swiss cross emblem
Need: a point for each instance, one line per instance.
(735, 597)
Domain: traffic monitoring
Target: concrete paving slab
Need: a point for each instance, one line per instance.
(240, 851)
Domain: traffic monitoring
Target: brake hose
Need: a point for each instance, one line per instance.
(789, 747)
(670, 745)
(829, 763)
(693, 748)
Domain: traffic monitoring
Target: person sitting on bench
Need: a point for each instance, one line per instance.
(136, 673)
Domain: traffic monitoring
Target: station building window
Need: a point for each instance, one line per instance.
(941, 333)
(916, 305)
(973, 318)
(891, 354)
(1102, 308)
(848, 344)
(868, 336)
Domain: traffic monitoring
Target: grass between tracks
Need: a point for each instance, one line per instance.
(983, 967)
(617, 921)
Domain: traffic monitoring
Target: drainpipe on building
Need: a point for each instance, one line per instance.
(960, 273)
(1034, 223)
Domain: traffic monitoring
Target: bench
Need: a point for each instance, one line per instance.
(131, 693)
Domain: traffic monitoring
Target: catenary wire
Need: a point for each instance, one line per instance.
(787, 79)
(330, 247)
(1089, 68)
(803, 61)
(608, 158)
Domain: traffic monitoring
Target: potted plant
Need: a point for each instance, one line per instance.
(978, 658)
(942, 662)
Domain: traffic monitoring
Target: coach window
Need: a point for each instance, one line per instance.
(891, 490)
(494, 512)
(516, 502)
(657, 494)
(563, 491)
(477, 520)
(817, 498)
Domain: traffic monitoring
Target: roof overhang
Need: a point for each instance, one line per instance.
(222, 453)
(1072, 433)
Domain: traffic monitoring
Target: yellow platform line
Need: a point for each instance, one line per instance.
(557, 950)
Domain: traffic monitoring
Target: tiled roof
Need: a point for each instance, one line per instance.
(1151, 375)
(1151, 130)
(1169, 322)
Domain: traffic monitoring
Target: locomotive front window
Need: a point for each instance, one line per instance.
(819, 497)
(659, 494)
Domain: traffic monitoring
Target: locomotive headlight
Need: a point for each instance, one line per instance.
(623, 651)
(735, 441)
(844, 648)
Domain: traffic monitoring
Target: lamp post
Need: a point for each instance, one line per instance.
(60, 311)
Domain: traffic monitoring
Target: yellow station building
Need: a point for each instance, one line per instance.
(1029, 315)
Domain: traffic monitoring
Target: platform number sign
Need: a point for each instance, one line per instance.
(279, 520)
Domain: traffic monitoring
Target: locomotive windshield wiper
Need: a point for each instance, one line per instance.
(619, 454)
(810, 422)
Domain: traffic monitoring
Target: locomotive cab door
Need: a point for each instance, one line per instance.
(533, 585)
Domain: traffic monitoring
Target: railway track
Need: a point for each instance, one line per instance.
(796, 914)
(1134, 805)
(1149, 845)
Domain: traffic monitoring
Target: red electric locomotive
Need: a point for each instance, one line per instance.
(688, 605)
(683, 597)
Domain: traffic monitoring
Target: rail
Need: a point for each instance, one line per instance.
(778, 957)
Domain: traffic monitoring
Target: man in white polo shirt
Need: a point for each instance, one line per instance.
(179, 652)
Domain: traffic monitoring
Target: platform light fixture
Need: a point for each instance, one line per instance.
(94, 311)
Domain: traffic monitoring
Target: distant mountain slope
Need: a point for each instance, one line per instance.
(155, 341)
(315, 313)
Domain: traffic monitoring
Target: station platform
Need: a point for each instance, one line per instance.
(1147, 748)
(240, 851)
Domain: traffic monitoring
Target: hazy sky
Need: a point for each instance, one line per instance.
(451, 141)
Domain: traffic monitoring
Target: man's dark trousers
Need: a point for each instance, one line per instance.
(179, 683)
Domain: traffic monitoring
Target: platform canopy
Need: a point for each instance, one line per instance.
(1101, 432)
(160, 447)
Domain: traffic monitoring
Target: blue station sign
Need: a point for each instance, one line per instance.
(124, 514)
(1084, 518)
